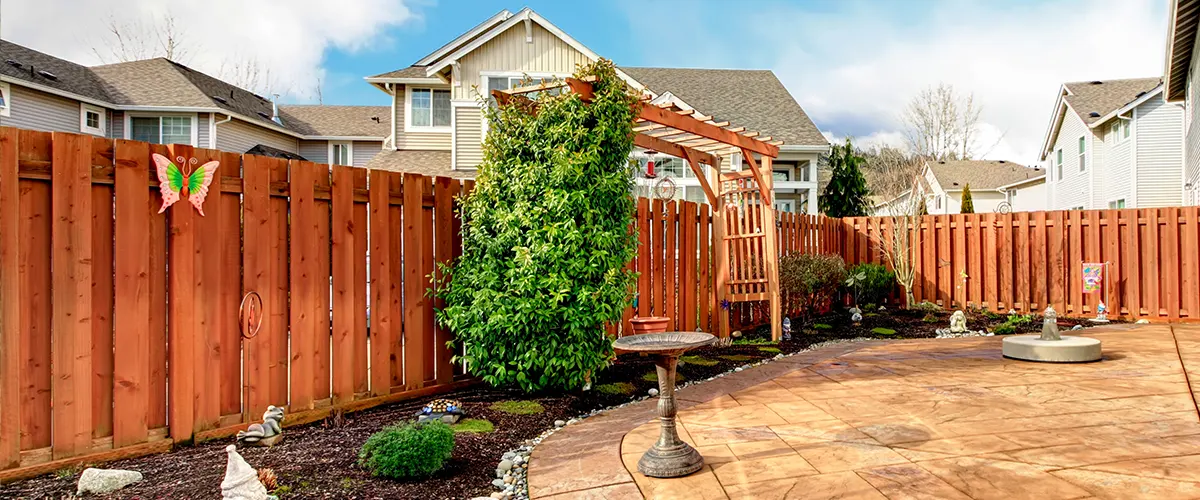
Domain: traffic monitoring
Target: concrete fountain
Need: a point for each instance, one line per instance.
(1050, 347)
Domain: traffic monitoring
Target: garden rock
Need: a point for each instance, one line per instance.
(241, 481)
(101, 481)
(499, 483)
(652, 392)
(506, 465)
(958, 322)
(559, 423)
(1077, 327)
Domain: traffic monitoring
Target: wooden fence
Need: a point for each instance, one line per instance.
(120, 331)
(1026, 261)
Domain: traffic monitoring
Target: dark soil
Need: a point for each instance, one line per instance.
(319, 460)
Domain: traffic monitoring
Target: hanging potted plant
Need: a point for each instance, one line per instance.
(648, 324)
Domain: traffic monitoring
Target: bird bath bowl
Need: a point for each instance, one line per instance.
(670, 456)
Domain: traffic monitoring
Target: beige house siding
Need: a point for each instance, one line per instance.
(509, 52)
(468, 133)
(364, 151)
(315, 151)
(36, 110)
(432, 141)
(238, 136)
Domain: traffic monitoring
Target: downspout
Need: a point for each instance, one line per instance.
(392, 90)
(212, 133)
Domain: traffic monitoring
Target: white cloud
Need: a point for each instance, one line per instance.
(879, 139)
(854, 65)
(288, 36)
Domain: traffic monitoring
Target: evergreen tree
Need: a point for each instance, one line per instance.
(846, 193)
(968, 206)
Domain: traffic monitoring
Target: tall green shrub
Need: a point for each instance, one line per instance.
(871, 282)
(846, 193)
(408, 450)
(811, 280)
(546, 238)
(968, 205)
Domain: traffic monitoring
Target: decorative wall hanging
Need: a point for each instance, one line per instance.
(172, 181)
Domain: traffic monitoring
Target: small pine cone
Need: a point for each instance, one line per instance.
(267, 478)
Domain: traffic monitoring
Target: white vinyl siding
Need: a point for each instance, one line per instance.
(364, 151)
(116, 125)
(1159, 153)
(509, 52)
(238, 137)
(1192, 158)
(468, 127)
(37, 110)
(432, 141)
(203, 130)
(1116, 178)
(1070, 187)
(315, 151)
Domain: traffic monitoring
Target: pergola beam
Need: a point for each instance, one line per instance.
(656, 144)
(687, 124)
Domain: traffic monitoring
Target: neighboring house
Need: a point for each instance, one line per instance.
(163, 102)
(996, 186)
(1114, 144)
(1182, 68)
(437, 103)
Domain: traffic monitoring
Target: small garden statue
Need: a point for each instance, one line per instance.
(267, 433)
(241, 481)
(1050, 325)
(1101, 313)
(787, 328)
(958, 322)
(446, 410)
(855, 314)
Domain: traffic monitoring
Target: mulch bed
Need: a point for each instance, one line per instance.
(319, 460)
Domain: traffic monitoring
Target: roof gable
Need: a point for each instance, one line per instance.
(1097, 99)
(25, 64)
(525, 15)
(980, 174)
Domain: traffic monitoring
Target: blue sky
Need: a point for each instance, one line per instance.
(853, 65)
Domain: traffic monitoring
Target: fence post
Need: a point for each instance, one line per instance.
(10, 305)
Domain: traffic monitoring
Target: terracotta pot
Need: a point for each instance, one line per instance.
(649, 324)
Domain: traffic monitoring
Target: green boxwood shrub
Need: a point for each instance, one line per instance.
(408, 450)
(1004, 329)
(546, 238)
(811, 280)
(871, 283)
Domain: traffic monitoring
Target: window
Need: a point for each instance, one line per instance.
(5, 99)
(1125, 129)
(1117, 203)
(429, 108)
(507, 82)
(341, 153)
(938, 202)
(1082, 153)
(91, 119)
(1058, 165)
(161, 129)
(785, 206)
(1118, 131)
(781, 175)
(806, 173)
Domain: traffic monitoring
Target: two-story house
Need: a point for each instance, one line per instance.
(996, 186)
(1182, 68)
(1114, 144)
(160, 101)
(437, 104)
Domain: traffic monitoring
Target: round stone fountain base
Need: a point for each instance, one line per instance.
(1068, 350)
(676, 461)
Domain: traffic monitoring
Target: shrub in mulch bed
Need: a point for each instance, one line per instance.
(320, 460)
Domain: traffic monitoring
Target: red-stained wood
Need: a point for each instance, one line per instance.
(303, 260)
(443, 253)
(946, 281)
(361, 300)
(205, 278)
(102, 304)
(1021, 263)
(132, 295)
(1092, 253)
(960, 275)
(343, 273)
(671, 267)
(322, 334)
(1190, 270)
(1113, 286)
(1152, 261)
(397, 270)
(229, 336)
(657, 272)
(71, 330)
(279, 306)
(643, 257)
(10, 302)
(257, 277)
(974, 259)
(1005, 274)
(1131, 233)
(1074, 261)
(415, 325)
(1056, 241)
(182, 314)
(36, 314)
(706, 297)
(429, 353)
(1039, 262)
(381, 288)
(687, 268)
(159, 256)
(1170, 262)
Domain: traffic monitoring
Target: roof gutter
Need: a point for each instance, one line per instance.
(803, 148)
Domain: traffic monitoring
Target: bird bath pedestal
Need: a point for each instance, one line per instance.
(670, 456)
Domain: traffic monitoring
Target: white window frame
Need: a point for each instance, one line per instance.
(6, 92)
(408, 125)
(789, 204)
(1113, 202)
(349, 145)
(1083, 153)
(84, 109)
(130, 115)
(1058, 166)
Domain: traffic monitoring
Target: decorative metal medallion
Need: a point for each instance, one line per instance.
(251, 314)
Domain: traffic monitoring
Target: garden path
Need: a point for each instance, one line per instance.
(944, 418)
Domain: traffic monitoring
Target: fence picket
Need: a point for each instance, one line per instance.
(10, 301)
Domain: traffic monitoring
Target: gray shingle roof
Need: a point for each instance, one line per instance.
(981, 174)
(430, 163)
(409, 72)
(755, 99)
(70, 77)
(1104, 97)
(345, 121)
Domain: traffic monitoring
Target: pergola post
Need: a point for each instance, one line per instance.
(771, 252)
(721, 258)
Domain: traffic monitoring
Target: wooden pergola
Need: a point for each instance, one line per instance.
(743, 213)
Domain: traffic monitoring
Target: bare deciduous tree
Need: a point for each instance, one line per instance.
(898, 245)
(125, 41)
(890, 170)
(249, 73)
(941, 123)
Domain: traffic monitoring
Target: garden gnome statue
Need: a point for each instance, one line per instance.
(855, 314)
(958, 322)
(1101, 313)
(787, 329)
(1050, 325)
(241, 481)
(267, 433)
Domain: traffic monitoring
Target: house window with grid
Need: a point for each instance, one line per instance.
(161, 129)
(1082, 153)
(341, 153)
(429, 108)
(91, 119)
(5, 99)
(1058, 170)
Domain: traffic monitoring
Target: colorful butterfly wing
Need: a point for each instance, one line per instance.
(170, 181)
(198, 182)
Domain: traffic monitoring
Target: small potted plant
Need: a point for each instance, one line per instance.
(649, 324)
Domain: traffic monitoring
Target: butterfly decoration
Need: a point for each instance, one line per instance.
(172, 181)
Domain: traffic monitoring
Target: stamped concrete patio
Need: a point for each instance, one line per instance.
(947, 418)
